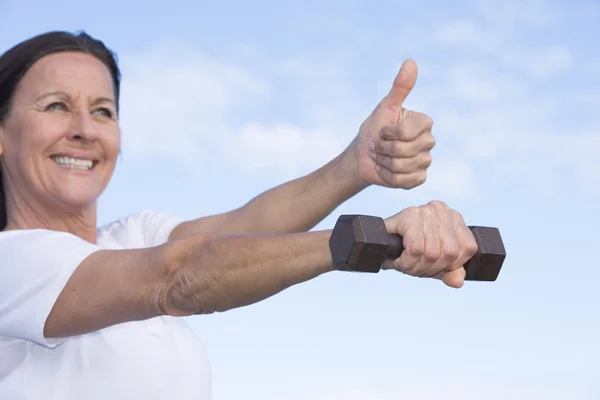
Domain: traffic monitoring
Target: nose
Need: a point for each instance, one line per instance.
(83, 128)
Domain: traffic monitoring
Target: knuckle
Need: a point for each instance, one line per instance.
(427, 211)
(404, 133)
(408, 268)
(418, 178)
(417, 115)
(431, 255)
(471, 247)
(397, 165)
(412, 212)
(427, 160)
(416, 250)
(428, 121)
(397, 147)
(439, 205)
(456, 216)
(430, 141)
(452, 253)
(399, 180)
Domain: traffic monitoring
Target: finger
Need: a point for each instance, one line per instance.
(455, 278)
(403, 165)
(409, 129)
(466, 240)
(399, 148)
(448, 239)
(433, 249)
(406, 181)
(413, 240)
(403, 83)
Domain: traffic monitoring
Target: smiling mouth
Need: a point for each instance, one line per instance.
(74, 163)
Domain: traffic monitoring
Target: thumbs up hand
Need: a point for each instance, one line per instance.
(392, 148)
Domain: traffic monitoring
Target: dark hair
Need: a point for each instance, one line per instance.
(15, 63)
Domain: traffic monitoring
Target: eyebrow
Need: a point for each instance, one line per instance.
(66, 96)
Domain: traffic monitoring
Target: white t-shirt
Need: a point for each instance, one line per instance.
(159, 358)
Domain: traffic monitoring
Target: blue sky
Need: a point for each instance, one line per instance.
(222, 101)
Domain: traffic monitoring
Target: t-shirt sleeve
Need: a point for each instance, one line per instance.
(144, 229)
(35, 266)
(157, 226)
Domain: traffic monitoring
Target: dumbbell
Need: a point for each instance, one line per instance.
(361, 243)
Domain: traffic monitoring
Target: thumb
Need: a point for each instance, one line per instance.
(454, 278)
(403, 84)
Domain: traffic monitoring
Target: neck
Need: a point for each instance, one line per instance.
(23, 215)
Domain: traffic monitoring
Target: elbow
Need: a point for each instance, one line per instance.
(189, 282)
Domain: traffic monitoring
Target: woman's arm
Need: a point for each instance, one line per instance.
(196, 275)
(216, 273)
(392, 149)
(295, 206)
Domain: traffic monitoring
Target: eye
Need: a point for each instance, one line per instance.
(57, 106)
(104, 112)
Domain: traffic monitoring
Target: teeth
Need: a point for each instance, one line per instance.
(73, 163)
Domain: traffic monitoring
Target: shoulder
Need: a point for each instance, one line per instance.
(36, 266)
(29, 250)
(24, 241)
(147, 228)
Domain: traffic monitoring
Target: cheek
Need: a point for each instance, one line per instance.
(38, 132)
(112, 144)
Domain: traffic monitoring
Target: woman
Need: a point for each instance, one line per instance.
(92, 313)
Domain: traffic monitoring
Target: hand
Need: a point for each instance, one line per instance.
(392, 148)
(436, 240)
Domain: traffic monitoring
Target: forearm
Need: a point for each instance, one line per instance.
(299, 205)
(295, 206)
(216, 274)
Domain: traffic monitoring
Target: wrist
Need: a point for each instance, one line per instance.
(345, 172)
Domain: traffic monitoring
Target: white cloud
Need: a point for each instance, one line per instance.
(493, 120)
(539, 62)
(469, 33)
(492, 113)
(180, 103)
(517, 13)
(287, 148)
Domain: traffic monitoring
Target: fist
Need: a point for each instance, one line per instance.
(392, 148)
(436, 240)
(401, 153)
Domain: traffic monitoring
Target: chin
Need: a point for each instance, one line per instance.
(77, 200)
(77, 192)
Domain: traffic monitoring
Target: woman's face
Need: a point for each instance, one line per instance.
(61, 139)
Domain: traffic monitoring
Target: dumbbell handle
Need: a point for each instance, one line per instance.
(396, 247)
(483, 266)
